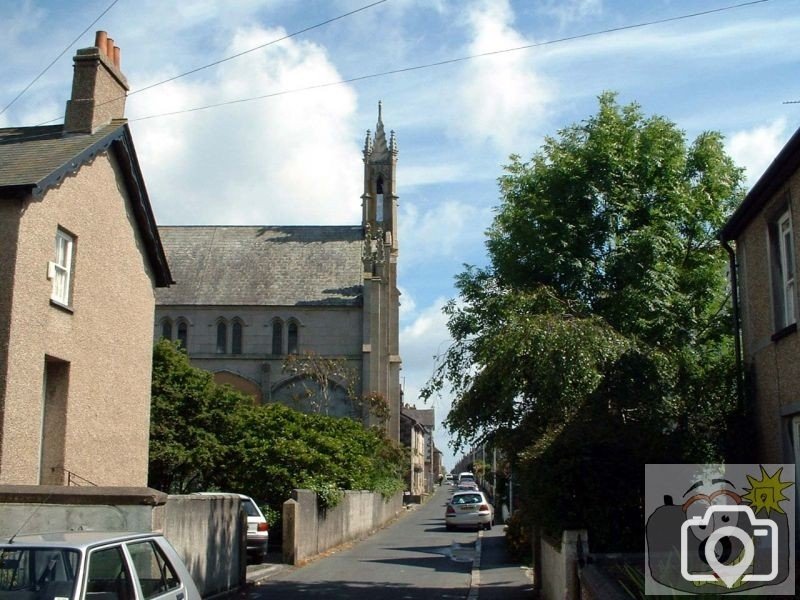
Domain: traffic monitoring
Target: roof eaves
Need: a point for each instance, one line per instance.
(783, 165)
(142, 207)
(76, 162)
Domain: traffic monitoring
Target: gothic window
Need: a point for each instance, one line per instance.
(236, 339)
(379, 199)
(222, 338)
(293, 338)
(183, 334)
(166, 329)
(277, 337)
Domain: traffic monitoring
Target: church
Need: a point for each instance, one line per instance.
(304, 315)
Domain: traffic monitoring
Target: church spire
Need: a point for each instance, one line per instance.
(380, 150)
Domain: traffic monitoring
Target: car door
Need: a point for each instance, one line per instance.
(108, 576)
(155, 576)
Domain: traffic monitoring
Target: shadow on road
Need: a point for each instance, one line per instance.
(341, 590)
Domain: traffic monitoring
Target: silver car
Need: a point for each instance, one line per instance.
(469, 509)
(89, 565)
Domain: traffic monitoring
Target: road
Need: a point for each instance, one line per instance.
(415, 558)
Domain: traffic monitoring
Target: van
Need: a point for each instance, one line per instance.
(466, 476)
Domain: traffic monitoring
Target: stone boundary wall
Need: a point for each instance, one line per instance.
(559, 565)
(308, 531)
(208, 532)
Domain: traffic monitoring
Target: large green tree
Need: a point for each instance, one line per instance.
(597, 338)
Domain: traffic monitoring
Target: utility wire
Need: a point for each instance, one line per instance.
(457, 60)
(72, 43)
(226, 59)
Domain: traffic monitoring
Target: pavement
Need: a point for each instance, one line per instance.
(494, 575)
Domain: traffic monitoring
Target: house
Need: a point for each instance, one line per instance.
(766, 255)
(80, 258)
(412, 436)
(426, 418)
(250, 298)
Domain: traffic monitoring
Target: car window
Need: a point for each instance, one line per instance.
(467, 499)
(155, 573)
(37, 573)
(250, 508)
(108, 577)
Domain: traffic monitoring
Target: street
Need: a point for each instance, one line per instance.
(414, 558)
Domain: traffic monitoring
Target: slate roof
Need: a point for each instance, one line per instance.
(263, 266)
(423, 416)
(38, 157)
(35, 159)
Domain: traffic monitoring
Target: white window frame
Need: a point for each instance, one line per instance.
(787, 262)
(60, 270)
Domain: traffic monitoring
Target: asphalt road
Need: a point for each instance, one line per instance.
(414, 558)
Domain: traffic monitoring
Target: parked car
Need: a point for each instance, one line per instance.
(469, 509)
(467, 486)
(465, 476)
(93, 565)
(257, 527)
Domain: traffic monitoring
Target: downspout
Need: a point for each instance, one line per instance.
(737, 345)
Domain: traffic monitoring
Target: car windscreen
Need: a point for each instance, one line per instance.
(37, 573)
(467, 499)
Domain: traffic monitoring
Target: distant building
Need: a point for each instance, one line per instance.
(80, 257)
(412, 436)
(767, 255)
(427, 419)
(247, 297)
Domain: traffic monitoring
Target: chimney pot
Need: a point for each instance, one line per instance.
(109, 49)
(100, 40)
(116, 56)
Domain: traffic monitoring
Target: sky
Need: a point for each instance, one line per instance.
(294, 155)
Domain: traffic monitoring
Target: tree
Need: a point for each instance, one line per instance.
(204, 436)
(190, 421)
(318, 379)
(597, 338)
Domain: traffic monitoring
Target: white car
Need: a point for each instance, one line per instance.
(469, 509)
(257, 525)
(91, 565)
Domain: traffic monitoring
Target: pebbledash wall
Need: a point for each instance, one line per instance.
(309, 531)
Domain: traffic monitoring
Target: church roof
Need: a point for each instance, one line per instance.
(263, 266)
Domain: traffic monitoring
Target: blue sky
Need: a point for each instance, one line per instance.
(296, 158)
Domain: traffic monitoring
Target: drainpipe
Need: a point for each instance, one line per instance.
(736, 322)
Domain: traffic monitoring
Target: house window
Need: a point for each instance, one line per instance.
(183, 334)
(786, 256)
(236, 341)
(60, 270)
(222, 338)
(293, 342)
(277, 337)
(166, 329)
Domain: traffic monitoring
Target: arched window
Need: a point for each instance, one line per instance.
(183, 334)
(277, 337)
(166, 329)
(222, 338)
(236, 339)
(379, 200)
(293, 341)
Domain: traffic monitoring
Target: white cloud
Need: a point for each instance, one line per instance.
(447, 230)
(568, 11)
(754, 149)
(282, 160)
(502, 99)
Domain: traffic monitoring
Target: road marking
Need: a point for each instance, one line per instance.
(475, 578)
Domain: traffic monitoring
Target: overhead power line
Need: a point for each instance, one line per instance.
(233, 56)
(72, 43)
(456, 60)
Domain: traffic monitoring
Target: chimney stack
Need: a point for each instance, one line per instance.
(98, 87)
